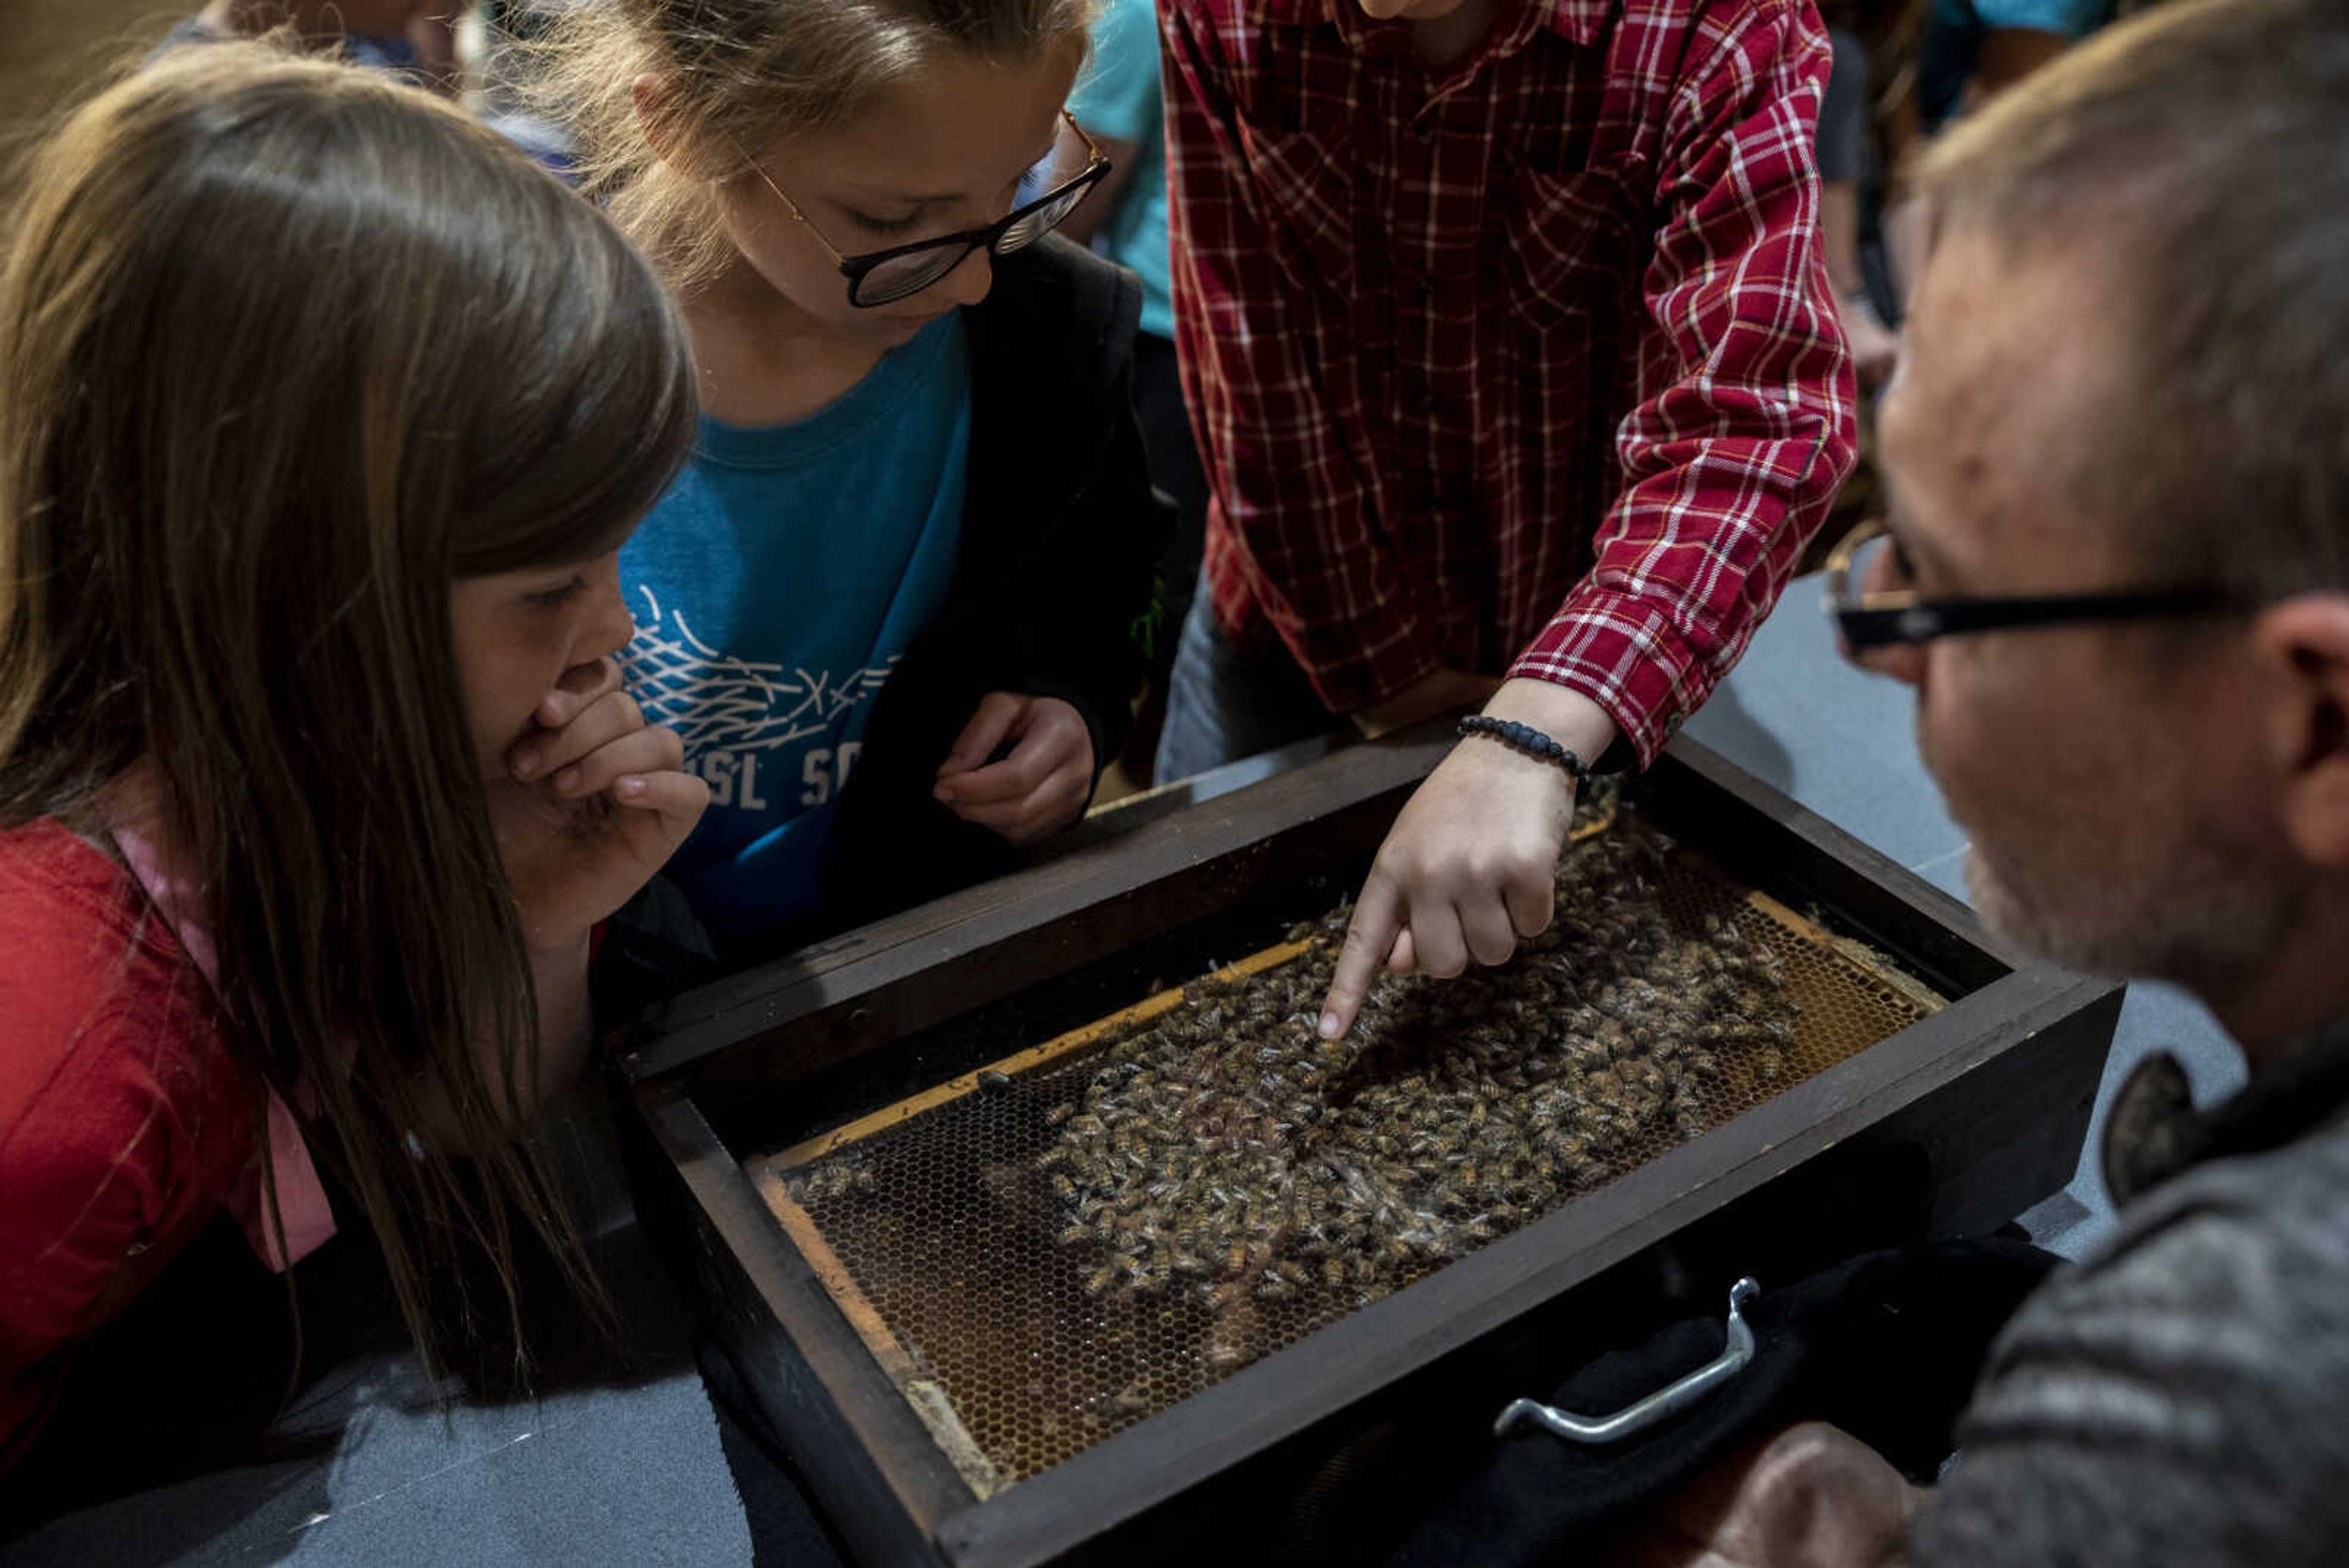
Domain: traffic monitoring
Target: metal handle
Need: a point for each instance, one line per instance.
(1663, 1402)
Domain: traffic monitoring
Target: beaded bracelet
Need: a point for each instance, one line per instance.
(1527, 739)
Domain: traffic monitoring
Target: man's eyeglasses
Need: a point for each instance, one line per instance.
(883, 277)
(1900, 618)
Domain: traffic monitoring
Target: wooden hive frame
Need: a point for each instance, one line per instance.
(1995, 1089)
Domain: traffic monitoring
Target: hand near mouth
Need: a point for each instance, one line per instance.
(595, 803)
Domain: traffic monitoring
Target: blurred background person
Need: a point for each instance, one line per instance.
(417, 37)
(1119, 103)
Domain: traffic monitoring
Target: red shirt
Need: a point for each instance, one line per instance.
(1532, 356)
(124, 1120)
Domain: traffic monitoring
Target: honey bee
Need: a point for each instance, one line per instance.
(1226, 1151)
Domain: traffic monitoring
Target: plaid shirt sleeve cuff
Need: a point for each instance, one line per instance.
(1627, 655)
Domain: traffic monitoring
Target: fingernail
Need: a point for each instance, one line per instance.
(1330, 1027)
(630, 788)
(567, 780)
(525, 760)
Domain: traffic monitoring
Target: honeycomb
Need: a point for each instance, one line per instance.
(938, 1227)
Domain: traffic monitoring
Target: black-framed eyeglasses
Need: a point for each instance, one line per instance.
(883, 277)
(1900, 618)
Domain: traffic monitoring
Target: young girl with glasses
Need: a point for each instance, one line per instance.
(889, 604)
(325, 417)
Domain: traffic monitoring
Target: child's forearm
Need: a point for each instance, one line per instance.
(565, 1019)
(558, 974)
(1839, 233)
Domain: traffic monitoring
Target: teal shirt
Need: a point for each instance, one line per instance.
(2073, 18)
(1118, 96)
(773, 588)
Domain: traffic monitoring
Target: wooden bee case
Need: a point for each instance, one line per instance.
(843, 1145)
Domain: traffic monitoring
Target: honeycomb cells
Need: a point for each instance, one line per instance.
(1073, 1246)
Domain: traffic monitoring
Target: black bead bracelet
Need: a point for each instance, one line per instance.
(1527, 739)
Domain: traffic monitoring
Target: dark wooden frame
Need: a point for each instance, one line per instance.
(1997, 1088)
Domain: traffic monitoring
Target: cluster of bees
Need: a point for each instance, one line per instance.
(828, 1183)
(1229, 1154)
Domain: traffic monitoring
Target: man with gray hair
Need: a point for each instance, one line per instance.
(2118, 576)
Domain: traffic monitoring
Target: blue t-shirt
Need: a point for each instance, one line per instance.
(1953, 39)
(2073, 18)
(1118, 97)
(773, 587)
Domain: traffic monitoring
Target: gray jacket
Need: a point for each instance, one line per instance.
(2182, 1396)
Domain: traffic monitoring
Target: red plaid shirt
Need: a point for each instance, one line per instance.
(1532, 356)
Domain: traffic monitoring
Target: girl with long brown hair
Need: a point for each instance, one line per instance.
(323, 416)
(889, 604)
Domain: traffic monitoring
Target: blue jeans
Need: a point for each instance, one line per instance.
(1222, 706)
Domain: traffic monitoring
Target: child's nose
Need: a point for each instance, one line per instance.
(610, 626)
(968, 282)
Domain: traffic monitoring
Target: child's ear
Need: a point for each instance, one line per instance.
(656, 114)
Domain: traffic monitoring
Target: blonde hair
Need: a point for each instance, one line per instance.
(2196, 157)
(738, 74)
(288, 349)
